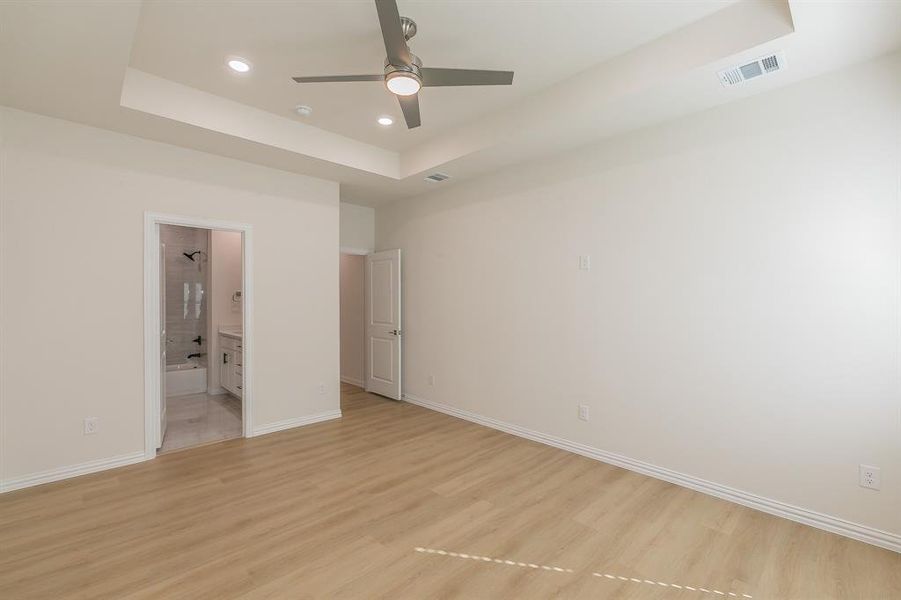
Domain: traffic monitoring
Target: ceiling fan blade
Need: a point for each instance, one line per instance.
(393, 33)
(329, 78)
(432, 77)
(410, 107)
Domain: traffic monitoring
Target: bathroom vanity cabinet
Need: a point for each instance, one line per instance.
(231, 359)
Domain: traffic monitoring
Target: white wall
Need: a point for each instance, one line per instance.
(225, 280)
(740, 321)
(352, 318)
(72, 203)
(357, 228)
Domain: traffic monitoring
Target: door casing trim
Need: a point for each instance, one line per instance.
(152, 375)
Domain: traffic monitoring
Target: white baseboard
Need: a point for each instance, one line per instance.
(863, 533)
(91, 466)
(297, 422)
(352, 381)
(217, 391)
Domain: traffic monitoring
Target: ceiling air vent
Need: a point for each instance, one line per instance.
(437, 177)
(756, 68)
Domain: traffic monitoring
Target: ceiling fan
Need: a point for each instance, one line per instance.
(404, 74)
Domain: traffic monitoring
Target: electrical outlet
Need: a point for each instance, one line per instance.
(870, 477)
(585, 262)
(322, 388)
(431, 380)
(583, 412)
(91, 425)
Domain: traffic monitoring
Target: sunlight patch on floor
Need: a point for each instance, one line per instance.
(501, 561)
(671, 585)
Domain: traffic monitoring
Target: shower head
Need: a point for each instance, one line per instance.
(191, 255)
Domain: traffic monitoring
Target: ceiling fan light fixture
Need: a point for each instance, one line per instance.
(403, 83)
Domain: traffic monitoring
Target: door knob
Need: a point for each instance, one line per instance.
(395, 332)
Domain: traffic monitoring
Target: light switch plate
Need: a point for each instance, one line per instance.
(91, 425)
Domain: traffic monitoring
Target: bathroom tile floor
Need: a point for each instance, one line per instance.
(200, 419)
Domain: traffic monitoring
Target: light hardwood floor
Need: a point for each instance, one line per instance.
(361, 507)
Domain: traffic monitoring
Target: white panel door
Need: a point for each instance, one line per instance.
(383, 326)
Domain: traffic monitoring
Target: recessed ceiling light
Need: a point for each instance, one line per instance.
(303, 110)
(386, 121)
(238, 65)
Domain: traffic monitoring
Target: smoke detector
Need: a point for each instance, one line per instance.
(764, 65)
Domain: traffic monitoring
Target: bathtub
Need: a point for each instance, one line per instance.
(185, 378)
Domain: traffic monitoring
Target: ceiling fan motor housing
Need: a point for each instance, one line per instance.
(414, 67)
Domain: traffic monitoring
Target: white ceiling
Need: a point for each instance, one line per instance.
(155, 70)
(543, 42)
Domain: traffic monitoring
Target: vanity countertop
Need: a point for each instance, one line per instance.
(234, 331)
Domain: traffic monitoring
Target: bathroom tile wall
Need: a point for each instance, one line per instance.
(186, 286)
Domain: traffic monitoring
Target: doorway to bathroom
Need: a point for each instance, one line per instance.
(197, 332)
